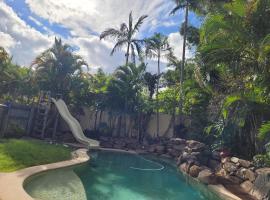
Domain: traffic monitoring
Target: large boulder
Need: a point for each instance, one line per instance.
(215, 155)
(184, 167)
(195, 145)
(249, 175)
(230, 167)
(174, 153)
(206, 176)
(234, 179)
(261, 188)
(194, 171)
(214, 164)
(152, 149)
(160, 149)
(247, 186)
(187, 157)
(244, 163)
(179, 147)
(234, 160)
(177, 141)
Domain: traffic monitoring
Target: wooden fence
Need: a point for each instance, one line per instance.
(16, 120)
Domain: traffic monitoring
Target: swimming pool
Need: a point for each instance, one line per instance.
(115, 176)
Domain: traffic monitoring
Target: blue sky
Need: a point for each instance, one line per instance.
(29, 27)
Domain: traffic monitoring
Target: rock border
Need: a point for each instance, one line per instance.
(12, 184)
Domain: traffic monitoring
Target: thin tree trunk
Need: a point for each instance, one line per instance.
(183, 62)
(100, 117)
(157, 114)
(95, 125)
(125, 117)
(127, 54)
(119, 126)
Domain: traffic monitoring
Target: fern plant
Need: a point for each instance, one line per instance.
(264, 131)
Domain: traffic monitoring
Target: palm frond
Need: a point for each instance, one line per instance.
(123, 27)
(130, 21)
(111, 33)
(118, 46)
(264, 130)
(139, 23)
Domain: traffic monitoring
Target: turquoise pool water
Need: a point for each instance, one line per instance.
(115, 176)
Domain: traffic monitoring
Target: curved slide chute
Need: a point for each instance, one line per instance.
(74, 125)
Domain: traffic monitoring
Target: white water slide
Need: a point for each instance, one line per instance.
(74, 125)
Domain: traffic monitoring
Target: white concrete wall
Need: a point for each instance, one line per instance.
(87, 121)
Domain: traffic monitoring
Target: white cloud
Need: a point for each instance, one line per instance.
(85, 16)
(97, 53)
(85, 19)
(23, 42)
(176, 42)
(7, 41)
(35, 21)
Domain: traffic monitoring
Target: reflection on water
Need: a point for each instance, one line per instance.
(110, 176)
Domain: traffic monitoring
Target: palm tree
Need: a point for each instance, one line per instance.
(156, 47)
(125, 36)
(151, 81)
(55, 67)
(201, 7)
(182, 4)
(128, 80)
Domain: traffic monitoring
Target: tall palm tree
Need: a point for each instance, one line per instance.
(156, 47)
(182, 4)
(201, 7)
(55, 67)
(129, 79)
(125, 36)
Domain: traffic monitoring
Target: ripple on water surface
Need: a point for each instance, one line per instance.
(115, 176)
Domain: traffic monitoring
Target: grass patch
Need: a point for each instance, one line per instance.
(18, 154)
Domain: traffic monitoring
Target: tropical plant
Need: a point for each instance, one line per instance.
(55, 67)
(125, 36)
(157, 46)
(125, 89)
(151, 81)
(264, 130)
(201, 7)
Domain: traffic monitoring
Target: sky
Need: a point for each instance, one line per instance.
(28, 27)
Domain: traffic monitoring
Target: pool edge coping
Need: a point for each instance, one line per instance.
(12, 183)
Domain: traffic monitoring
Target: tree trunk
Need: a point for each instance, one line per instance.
(182, 67)
(157, 115)
(100, 117)
(127, 54)
(95, 125)
(119, 126)
(125, 117)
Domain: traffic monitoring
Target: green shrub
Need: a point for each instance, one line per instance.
(261, 160)
(15, 131)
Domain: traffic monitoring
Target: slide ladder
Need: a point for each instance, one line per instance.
(73, 124)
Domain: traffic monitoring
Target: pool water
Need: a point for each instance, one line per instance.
(115, 176)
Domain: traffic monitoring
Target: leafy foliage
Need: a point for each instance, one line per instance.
(125, 36)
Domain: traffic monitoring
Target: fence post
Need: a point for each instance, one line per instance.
(30, 120)
(5, 119)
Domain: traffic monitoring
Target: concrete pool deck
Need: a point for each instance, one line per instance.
(11, 184)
